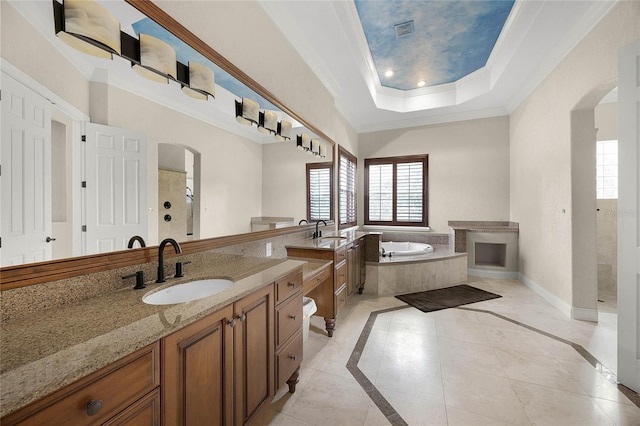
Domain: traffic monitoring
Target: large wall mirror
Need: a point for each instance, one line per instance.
(188, 169)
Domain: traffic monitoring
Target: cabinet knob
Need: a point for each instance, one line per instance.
(231, 323)
(93, 407)
(293, 357)
(242, 316)
(291, 284)
(293, 317)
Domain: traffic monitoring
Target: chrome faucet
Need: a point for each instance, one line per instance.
(164, 242)
(318, 233)
(135, 238)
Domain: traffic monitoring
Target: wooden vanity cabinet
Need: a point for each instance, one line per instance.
(330, 299)
(355, 267)
(197, 372)
(124, 393)
(288, 342)
(219, 370)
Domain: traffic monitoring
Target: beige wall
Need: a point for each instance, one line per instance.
(468, 167)
(25, 48)
(231, 172)
(552, 181)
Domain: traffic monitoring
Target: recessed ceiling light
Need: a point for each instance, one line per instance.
(421, 83)
(388, 73)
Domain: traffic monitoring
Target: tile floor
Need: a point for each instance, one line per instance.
(456, 366)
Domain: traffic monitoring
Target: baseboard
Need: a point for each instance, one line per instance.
(498, 275)
(584, 314)
(560, 304)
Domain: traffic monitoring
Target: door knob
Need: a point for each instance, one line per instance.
(49, 239)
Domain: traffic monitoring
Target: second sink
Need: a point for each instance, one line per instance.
(187, 292)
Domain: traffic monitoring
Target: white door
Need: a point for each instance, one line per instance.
(25, 157)
(115, 197)
(629, 216)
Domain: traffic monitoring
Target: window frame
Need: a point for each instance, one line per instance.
(354, 196)
(313, 166)
(424, 158)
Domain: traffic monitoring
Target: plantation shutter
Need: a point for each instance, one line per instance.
(381, 192)
(347, 181)
(320, 193)
(409, 192)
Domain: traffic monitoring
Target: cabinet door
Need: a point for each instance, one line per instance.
(197, 372)
(254, 343)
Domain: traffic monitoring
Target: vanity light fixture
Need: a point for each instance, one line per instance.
(157, 60)
(247, 111)
(91, 28)
(315, 147)
(323, 151)
(88, 27)
(283, 132)
(202, 82)
(303, 142)
(267, 122)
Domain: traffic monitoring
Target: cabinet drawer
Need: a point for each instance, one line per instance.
(341, 254)
(288, 360)
(144, 412)
(341, 276)
(317, 280)
(288, 319)
(288, 285)
(341, 299)
(115, 387)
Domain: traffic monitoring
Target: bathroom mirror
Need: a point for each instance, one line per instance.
(228, 172)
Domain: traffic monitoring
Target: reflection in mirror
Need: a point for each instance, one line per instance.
(220, 173)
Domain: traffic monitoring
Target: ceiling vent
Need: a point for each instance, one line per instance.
(404, 29)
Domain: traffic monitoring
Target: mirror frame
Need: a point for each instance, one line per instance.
(36, 273)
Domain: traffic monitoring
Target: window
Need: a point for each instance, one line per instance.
(607, 169)
(347, 208)
(319, 191)
(396, 191)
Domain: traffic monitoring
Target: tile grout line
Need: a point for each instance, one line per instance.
(600, 368)
(374, 394)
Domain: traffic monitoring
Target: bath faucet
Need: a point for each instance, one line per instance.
(135, 238)
(303, 220)
(163, 244)
(318, 233)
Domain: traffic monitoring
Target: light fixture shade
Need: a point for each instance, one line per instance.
(283, 132)
(267, 122)
(90, 28)
(247, 111)
(201, 82)
(323, 150)
(315, 146)
(156, 57)
(303, 142)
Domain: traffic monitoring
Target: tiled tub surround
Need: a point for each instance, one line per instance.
(406, 274)
(43, 350)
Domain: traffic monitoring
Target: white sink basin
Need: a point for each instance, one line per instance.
(187, 292)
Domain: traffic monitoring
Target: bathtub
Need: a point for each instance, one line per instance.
(390, 248)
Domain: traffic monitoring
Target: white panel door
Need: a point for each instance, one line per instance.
(25, 156)
(115, 197)
(629, 216)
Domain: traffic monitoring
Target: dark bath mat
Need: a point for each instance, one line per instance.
(443, 298)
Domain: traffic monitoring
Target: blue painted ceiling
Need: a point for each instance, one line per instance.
(452, 38)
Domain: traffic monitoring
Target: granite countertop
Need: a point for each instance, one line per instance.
(48, 350)
(330, 241)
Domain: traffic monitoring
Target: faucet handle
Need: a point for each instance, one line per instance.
(179, 271)
(139, 279)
